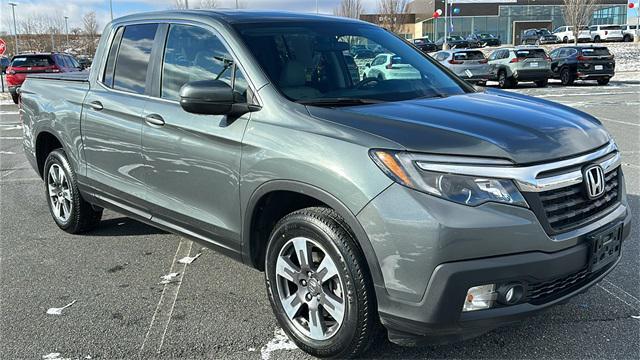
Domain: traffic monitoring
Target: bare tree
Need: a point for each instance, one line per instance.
(181, 4)
(578, 13)
(349, 8)
(392, 14)
(90, 25)
(208, 4)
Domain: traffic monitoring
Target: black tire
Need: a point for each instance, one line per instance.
(542, 83)
(596, 39)
(503, 81)
(82, 216)
(566, 77)
(627, 38)
(604, 81)
(15, 98)
(565, 40)
(360, 325)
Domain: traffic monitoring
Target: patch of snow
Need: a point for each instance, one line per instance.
(168, 278)
(280, 341)
(636, 317)
(189, 259)
(54, 356)
(58, 311)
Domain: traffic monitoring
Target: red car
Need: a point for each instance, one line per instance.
(22, 65)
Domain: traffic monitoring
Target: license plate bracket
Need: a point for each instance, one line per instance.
(606, 246)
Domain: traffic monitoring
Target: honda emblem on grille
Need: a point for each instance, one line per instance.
(594, 181)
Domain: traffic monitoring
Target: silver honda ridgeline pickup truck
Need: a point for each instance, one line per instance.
(409, 201)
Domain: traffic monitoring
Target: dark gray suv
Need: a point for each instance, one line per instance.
(418, 203)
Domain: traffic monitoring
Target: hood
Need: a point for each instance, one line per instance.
(493, 123)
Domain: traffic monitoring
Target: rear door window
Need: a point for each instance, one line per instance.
(133, 58)
(32, 61)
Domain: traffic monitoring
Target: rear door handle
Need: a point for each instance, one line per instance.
(154, 119)
(96, 105)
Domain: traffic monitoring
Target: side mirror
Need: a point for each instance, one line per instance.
(207, 97)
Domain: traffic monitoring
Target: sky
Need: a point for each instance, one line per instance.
(74, 9)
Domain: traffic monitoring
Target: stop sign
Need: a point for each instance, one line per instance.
(3, 47)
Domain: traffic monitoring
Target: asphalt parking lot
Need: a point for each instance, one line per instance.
(217, 308)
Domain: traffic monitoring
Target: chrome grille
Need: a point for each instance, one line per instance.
(568, 207)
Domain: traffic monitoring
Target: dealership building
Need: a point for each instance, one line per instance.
(503, 18)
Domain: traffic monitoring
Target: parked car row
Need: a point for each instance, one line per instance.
(34, 63)
(593, 33)
(512, 65)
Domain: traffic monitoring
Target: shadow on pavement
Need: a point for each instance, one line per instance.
(124, 226)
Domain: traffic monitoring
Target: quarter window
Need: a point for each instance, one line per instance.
(133, 58)
(111, 58)
(193, 54)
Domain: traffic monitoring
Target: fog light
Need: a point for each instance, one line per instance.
(480, 297)
(510, 294)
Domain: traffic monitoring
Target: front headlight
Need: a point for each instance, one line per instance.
(403, 167)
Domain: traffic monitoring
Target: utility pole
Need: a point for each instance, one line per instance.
(15, 27)
(445, 44)
(111, 8)
(316, 6)
(53, 43)
(66, 25)
(186, 4)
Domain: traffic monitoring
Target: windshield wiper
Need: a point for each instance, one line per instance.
(338, 101)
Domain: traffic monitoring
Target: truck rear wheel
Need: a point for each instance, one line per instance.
(319, 286)
(68, 209)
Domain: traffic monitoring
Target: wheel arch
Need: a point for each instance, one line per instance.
(46, 142)
(254, 241)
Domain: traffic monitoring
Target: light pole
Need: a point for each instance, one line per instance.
(186, 4)
(316, 6)
(66, 26)
(111, 8)
(15, 27)
(445, 44)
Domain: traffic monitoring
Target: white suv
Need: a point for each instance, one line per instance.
(628, 31)
(605, 33)
(565, 34)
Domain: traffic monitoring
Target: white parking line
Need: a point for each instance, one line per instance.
(620, 295)
(10, 137)
(619, 122)
(154, 339)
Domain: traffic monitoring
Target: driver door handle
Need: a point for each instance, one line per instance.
(154, 119)
(96, 105)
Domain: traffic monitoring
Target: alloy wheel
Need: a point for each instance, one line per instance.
(59, 193)
(310, 288)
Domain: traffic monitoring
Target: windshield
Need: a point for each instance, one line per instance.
(455, 38)
(610, 27)
(486, 36)
(468, 55)
(544, 32)
(307, 61)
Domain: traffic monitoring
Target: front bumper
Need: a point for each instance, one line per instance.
(431, 251)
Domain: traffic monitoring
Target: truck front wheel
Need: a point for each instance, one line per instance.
(319, 286)
(68, 209)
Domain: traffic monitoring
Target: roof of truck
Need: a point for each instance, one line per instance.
(238, 16)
